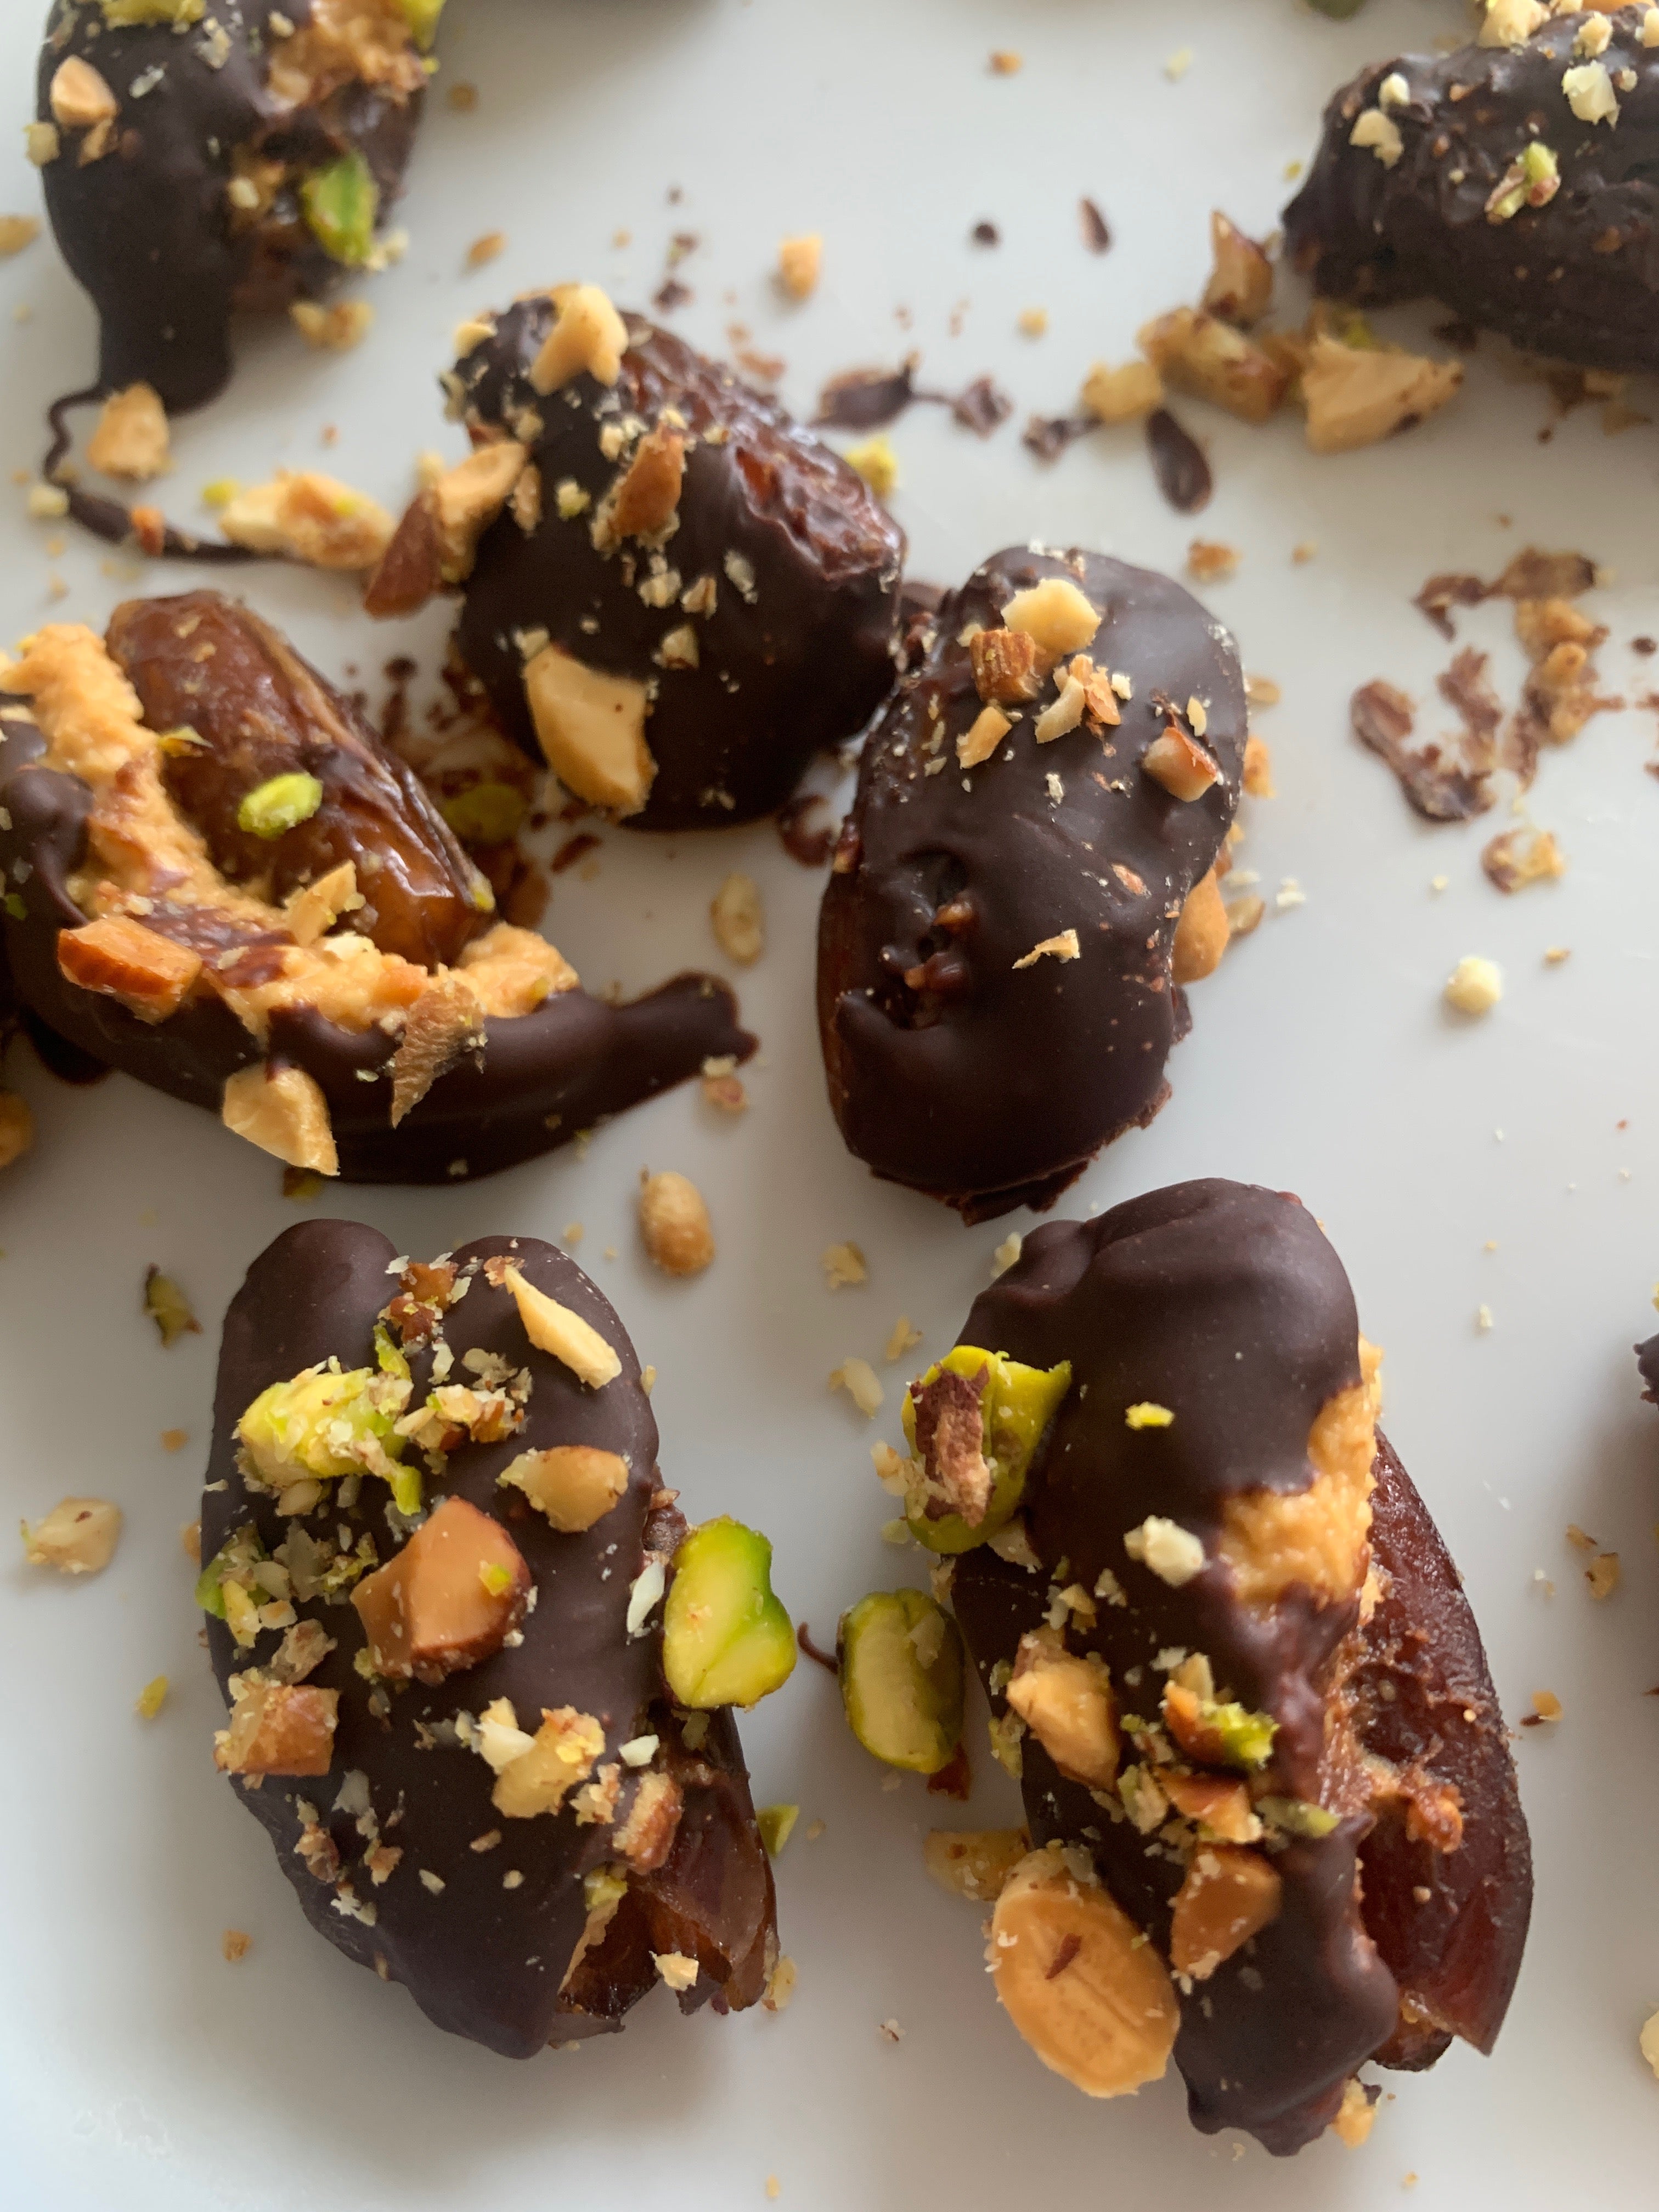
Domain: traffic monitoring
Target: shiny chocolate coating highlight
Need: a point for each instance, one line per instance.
(481, 1957)
(1223, 1304)
(148, 226)
(1577, 278)
(985, 1085)
(804, 563)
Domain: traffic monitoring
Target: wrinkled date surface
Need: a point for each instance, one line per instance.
(753, 588)
(1513, 183)
(1205, 1481)
(957, 1061)
(514, 1927)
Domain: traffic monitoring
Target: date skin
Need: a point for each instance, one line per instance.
(205, 663)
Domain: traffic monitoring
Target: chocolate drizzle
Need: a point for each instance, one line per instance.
(1223, 1304)
(1577, 278)
(949, 1069)
(796, 651)
(147, 226)
(481, 1959)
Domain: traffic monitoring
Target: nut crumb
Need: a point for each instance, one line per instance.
(903, 1338)
(738, 919)
(1064, 946)
(679, 1238)
(800, 263)
(1474, 986)
(336, 329)
(77, 1537)
(1209, 562)
(1603, 1575)
(236, 1943)
(863, 1385)
(890, 2031)
(488, 248)
(1033, 322)
(1005, 63)
(151, 1697)
(1006, 1253)
(843, 1265)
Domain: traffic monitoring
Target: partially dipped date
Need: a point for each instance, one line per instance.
(1026, 882)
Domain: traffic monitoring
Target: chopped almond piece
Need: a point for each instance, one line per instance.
(1005, 665)
(278, 1728)
(149, 974)
(574, 1484)
(553, 1328)
(79, 97)
(285, 1112)
(1056, 614)
(976, 744)
(131, 438)
(591, 727)
(1180, 763)
(589, 339)
(560, 1755)
(1229, 1895)
(467, 499)
(680, 1239)
(335, 329)
(448, 1600)
(1068, 1704)
(1122, 395)
(77, 1537)
(800, 260)
(1355, 395)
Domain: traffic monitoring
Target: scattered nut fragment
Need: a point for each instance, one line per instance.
(1084, 1988)
(334, 329)
(1185, 769)
(278, 1728)
(874, 459)
(1199, 353)
(1546, 1706)
(16, 231)
(1005, 668)
(843, 1264)
(1356, 2114)
(738, 919)
(448, 1600)
(1474, 986)
(151, 1698)
(800, 260)
(236, 1944)
(676, 1968)
(590, 337)
(1175, 1554)
(535, 1774)
(79, 97)
(1518, 858)
(1229, 1894)
(149, 974)
(1068, 1703)
(977, 744)
(489, 247)
(77, 1537)
(1203, 931)
(131, 438)
(1065, 946)
(861, 1383)
(974, 1863)
(285, 1112)
(1258, 768)
(1056, 614)
(309, 518)
(1033, 322)
(1209, 562)
(590, 728)
(1241, 286)
(168, 1308)
(574, 1484)
(679, 1238)
(564, 1335)
(1603, 1575)
(1122, 395)
(1005, 63)
(646, 501)
(1355, 395)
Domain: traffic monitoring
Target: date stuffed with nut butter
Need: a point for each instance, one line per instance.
(1273, 1813)
(229, 887)
(199, 163)
(1511, 179)
(435, 1546)
(669, 590)
(1027, 880)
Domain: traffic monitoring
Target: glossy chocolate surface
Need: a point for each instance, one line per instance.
(805, 562)
(483, 1958)
(147, 227)
(1223, 1304)
(987, 1086)
(542, 1078)
(1577, 278)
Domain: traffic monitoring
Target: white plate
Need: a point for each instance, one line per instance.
(136, 2067)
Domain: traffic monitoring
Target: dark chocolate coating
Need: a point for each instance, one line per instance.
(543, 1077)
(1577, 278)
(480, 1959)
(799, 669)
(996, 1088)
(1647, 1360)
(1224, 1303)
(146, 229)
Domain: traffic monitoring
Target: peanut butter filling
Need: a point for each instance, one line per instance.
(1318, 1536)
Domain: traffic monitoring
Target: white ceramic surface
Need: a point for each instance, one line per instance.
(136, 2067)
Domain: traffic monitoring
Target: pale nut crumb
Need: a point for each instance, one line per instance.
(1064, 946)
(1511, 22)
(175, 1440)
(1474, 986)
(774, 2187)
(1355, 2115)
(80, 98)
(678, 1971)
(590, 337)
(47, 503)
(800, 263)
(1122, 395)
(1546, 1705)
(738, 919)
(132, 439)
(1178, 64)
(489, 248)
(1377, 130)
(1005, 63)
(282, 1111)
(563, 1335)
(16, 231)
(1056, 614)
(1648, 2043)
(1263, 691)
(1603, 1575)
(903, 1338)
(307, 517)
(335, 329)
(590, 728)
(41, 143)
(781, 1982)
(1258, 768)
(874, 459)
(679, 1238)
(77, 1537)
(236, 1944)
(863, 1386)
(1209, 562)
(1241, 286)
(843, 1265)
(1174, 1554)
(1357, 395)
(1006, 1253)
(978, 741)
(1033, 322)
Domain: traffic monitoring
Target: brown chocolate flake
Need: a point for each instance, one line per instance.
(866, 398)
(1097, 232)
(1442, 786)
(1441, 593)
(1048, 435)
(574, 849)
(1070, 1945)
(804, 1638)
(985, 234)
(981, 407)
(1178, 463)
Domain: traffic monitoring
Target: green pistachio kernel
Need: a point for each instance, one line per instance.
(16, 907)
(901, 1663)
(422, 17)
(604, 1887)
(725, 1638)
(342, 203)
(272, 809)
(1225, 1734)
(776, 1823)
(119, 13)
(234, 1561)
(487, 814)
(1015, 1409)
(1532, 180)
(1294, 1816)
(327, 1423)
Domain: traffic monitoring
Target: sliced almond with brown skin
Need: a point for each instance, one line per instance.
(445, 1022)
(1229, 1895)
(411, 570)
(449, 1600)
(1084, 1988)
(646, 500)
(122, 959)
(1005, 665)
(1241, 286)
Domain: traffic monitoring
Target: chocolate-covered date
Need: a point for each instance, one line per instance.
(207, 669)
(1313, 1810)
(521, 1838)
(1026, 880)
(229, 887)
(1512, 181)
(195, 165)
(671, 590)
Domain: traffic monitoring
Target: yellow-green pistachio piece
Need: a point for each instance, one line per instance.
(342, 203)
(326, 1423)
(973, 1423)
(270, 810)
(168, 1308)
(726, 1639)
(900, 1664)
(1294, 1816)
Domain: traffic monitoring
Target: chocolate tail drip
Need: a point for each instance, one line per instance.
(109, 518)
